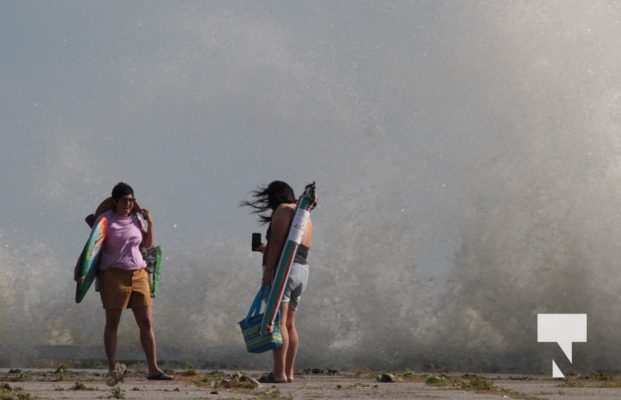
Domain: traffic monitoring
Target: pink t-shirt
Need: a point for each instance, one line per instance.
(121, 247)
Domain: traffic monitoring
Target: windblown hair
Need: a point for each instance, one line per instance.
(269, 198)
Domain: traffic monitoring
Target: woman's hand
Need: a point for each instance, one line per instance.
(146, 214)
(147, 235)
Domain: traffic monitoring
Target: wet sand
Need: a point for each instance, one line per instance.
(64, 383)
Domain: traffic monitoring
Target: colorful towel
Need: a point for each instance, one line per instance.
(89, 259)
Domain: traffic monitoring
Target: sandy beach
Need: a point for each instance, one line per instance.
(66, 383)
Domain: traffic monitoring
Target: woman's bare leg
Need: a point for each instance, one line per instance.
(147, 337)
(292, 349)
(113, 318)
(281, 352)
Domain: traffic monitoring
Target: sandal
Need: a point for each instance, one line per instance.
(160, 376)
(270, 378)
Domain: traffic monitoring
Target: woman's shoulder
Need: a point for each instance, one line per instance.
(284, 209)
(282, 215)
(286, 206)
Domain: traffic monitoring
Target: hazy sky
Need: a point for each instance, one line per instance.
(456, 145)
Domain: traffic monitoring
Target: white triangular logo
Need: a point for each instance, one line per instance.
(556, 372)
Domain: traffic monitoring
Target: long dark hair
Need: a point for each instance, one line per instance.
(266, 198)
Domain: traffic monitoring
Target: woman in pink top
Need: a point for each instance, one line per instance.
(124, 280)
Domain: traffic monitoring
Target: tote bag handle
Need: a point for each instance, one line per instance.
(255, 307)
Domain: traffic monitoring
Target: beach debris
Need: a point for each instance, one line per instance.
(364, 372)
(60, 372)
(436, 380)
(321, 371)
(255, 383)
(189, 371)
(17, 375)
(245, 380)
(80, 386)
(118, 393)
(477, 382)
(360, 385)
(466, 382)
(61, 369)
(596, 379)
(387, 378)
(13, 393)
(236, 380)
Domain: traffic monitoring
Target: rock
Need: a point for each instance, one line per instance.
(386, 377)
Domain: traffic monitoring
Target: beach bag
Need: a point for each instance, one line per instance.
(251, 326)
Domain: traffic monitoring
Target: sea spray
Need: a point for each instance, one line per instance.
(468, 156)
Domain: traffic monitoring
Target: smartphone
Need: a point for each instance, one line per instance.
(256, 241)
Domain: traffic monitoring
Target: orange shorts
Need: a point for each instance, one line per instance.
(121, 289)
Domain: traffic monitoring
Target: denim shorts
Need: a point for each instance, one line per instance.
(296, 284)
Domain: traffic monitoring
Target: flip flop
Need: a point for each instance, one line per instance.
(160, 376)
(269, 378)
